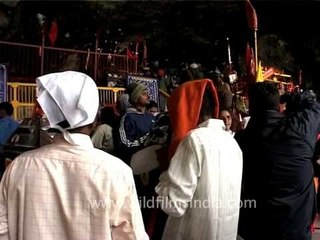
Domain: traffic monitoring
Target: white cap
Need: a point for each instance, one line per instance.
(193, 66)
(70, 95)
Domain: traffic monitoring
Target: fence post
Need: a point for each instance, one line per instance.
(42, 52)
(127, 61)
(15, 102)
(96, 57)
(137, 57)
(115, 93)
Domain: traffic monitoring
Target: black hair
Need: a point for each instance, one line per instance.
(263, 96)
(151, 104)
(108, 116)
(226, 110)
(7, 107)
(208, 104)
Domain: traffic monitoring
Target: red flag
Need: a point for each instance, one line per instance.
(250, 61)
(53, 33)
(251, 16)
(131, 55)
(268, 73)
(140, 38)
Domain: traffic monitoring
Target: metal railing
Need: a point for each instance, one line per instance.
(31, 61)
(23, 97)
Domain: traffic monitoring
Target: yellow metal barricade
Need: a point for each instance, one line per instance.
(109, 95)
(23, 96)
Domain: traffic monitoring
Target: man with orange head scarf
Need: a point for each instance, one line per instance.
(201, 189)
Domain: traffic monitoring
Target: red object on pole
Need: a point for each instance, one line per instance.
(53, 33)
(140, 38)
(251, 16)
(131, 55)
(250, 61)
(268, 73)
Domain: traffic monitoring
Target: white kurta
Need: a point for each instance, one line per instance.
(201, 189)
(66, 192)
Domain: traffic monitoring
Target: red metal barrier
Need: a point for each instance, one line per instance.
(26, 61)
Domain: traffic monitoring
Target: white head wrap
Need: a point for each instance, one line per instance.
(193, 66)
(70, 96)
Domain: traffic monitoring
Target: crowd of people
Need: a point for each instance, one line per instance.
(205, 172)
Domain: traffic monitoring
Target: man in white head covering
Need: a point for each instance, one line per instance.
(195, 71)
(69, 189)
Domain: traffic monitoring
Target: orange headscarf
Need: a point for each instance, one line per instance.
(184, 109)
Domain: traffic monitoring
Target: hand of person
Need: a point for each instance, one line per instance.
(298, 101)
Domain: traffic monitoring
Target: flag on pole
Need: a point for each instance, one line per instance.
(139, 38)
(250, 61)
(53, 33)
(259, 73)
(130, 55)
(251, 16)
(268, 73)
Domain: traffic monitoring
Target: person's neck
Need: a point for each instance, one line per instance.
(141, 109)
(87, 130)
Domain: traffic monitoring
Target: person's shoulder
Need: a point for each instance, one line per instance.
(131, 115)
(131, 111)
(199, 135)
(216, 136)
(6, 120)
(36, 152)
(110, 162)
(92, 156)
(103, 128)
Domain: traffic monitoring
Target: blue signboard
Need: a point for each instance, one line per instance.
(151, 83)
(3, 83)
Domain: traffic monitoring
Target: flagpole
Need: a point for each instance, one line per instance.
(256, 47)
(127, 59)
(96, 57)
(42, 50)
(300, 77)
(229, 54)
(137, 57)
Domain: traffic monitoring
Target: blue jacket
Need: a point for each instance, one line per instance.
(7, 127)
(134, 129)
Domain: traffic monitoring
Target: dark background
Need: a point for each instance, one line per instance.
(179, 31)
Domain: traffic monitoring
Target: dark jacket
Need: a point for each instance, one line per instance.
(278, 173)
(134, 129)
